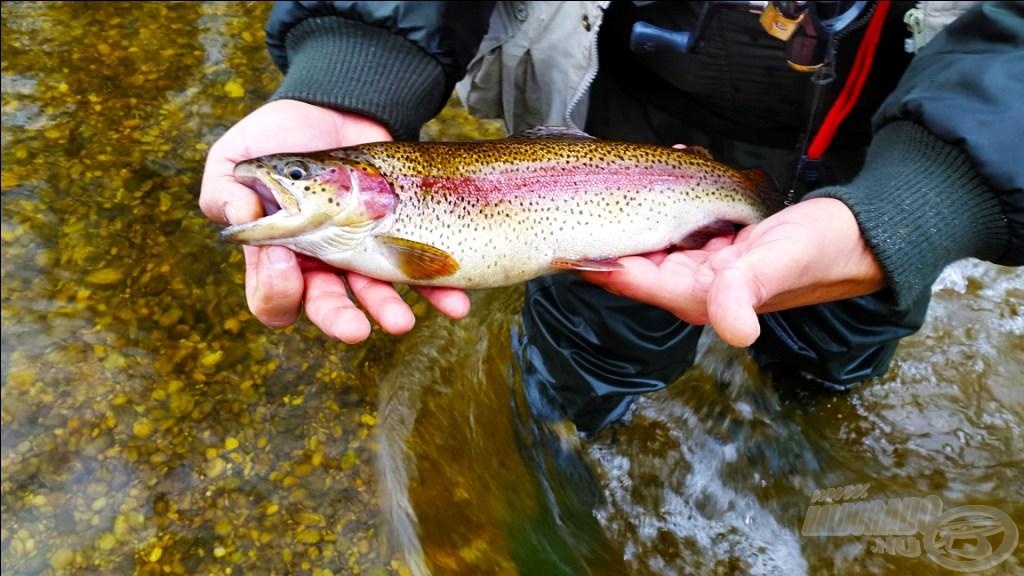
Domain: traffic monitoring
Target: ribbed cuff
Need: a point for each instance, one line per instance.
(358, 68)
(921, 204)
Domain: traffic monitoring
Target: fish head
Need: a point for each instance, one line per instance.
(303, 193)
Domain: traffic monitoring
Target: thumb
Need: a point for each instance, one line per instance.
(732, 302)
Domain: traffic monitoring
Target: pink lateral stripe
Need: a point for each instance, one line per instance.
(548, 183)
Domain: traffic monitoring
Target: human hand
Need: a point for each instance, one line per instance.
(277, 282)
(808, 253)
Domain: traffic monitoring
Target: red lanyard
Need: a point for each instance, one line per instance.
(854, 84)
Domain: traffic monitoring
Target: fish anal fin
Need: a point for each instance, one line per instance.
(591, 264)
(420, 261)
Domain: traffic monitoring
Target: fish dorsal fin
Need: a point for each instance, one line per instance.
(592, 264)
(699, 151)
(420, 261)
(556, 132)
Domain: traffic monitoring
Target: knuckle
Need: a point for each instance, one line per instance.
(209, 207)
(376, 294)
(277, 322)
(273, 312)
(277, 286)
(272, 316)
(217, 149)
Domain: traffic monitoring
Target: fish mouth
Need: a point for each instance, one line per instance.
(283, 217)
(258, 178)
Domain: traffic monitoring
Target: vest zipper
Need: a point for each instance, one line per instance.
(588, 79)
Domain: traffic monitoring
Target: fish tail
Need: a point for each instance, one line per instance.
(764, 189)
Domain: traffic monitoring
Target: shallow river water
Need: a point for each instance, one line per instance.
(152, 426)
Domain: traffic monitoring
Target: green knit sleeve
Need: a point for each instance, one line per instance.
(921, 204)
(354, 67)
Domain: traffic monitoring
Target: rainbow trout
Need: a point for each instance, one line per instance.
(493, 213)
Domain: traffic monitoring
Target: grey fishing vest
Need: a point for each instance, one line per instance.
(538, 59)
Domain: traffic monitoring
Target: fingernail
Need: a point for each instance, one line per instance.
(280, 256)
(230, 214)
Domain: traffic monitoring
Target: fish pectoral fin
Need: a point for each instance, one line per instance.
(556, 132)
(420, 261)
(332, 240)
(590, 264)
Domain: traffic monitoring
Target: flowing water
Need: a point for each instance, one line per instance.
(151, 426)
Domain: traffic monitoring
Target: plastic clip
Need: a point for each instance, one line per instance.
(810, 171)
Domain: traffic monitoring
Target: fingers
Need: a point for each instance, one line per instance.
(225, 201)
(274, 280)
(221, 198)
(282, 125)
(735, 295)
(329, 307)
(450, 302)
(678, 283)
(636, 279)
(383, 303)
(273, 285)
(656, 257)
(732, 302)
(719, 242)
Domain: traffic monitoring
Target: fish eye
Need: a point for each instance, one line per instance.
(296, 170)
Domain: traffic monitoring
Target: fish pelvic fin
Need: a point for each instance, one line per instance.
(764, 189)
(591, 264)
(420, 261)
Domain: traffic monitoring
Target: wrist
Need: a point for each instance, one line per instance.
(345, 121)
(831, 259)
(357, 128)
(920, 204)
(338, 63)
(853, 260)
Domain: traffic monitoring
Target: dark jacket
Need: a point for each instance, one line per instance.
(943, 178)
